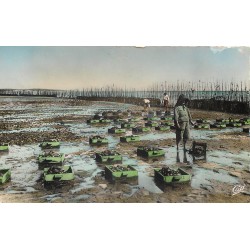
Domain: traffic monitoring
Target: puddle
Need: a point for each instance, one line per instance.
(84, 129)
(224, 158)
(204, 177)
(38, 129)
(153, 136)
(51, 197)
(24, 170)
(200, 134)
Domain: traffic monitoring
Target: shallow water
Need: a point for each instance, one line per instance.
(81, 156)
(203, 177)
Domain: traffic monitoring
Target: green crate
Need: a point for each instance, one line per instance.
(151, 124)
(141, 129)
(119, 120)
(127, 125)
(130, 138)
(169, 179)
(108, 156)
(98, 140)
(135, 119)
(153, 118)
(218, 125)
(203, 121)
(118, 172)
(51, 158)
(167, 123)
(50, 144)
(234, 124)
(150, 152)
(223, 121)
(245, 121)
(64, 173)
(4, 146)
(234, 120)
(162, 128)
(5, 175)
(202, 126)
(104, 120)
(93, 121)
(115, 130)
(167, 118)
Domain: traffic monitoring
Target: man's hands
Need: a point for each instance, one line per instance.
(178, 126)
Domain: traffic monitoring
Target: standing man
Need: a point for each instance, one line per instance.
(182, 120)
(146, 105)
(165, 101)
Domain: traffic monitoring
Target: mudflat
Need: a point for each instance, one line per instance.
(26, 122)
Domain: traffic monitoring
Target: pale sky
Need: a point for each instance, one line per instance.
(79, 67)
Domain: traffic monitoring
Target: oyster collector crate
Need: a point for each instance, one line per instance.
(151, 124)
(103, 120)
(64, 173)
(153, 118)
(134, 119)
(167, 123)
(171, 176)
(108, 156)
(246, 130)
(119, 120)
(50, 144)
(202, 126)
(130, 138)
(167, 118)
(150, 151)
(223, 121)
(51, 158)
(127, 125)
(245, 121)
(203, 121)
(218, 125)
(5, 175)
(98, 140)
(234, 120)
(234, 124)
(116, 130)
(199, 148)
(141, 129)
(93, 121)
(120, 172)
(162, 128)
(4, 146)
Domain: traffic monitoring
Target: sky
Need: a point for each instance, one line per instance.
(74, 67)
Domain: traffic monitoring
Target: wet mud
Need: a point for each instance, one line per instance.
(26, 122)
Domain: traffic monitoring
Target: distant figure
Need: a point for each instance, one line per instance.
(182, 120)
(165, 101)
(146, 105)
